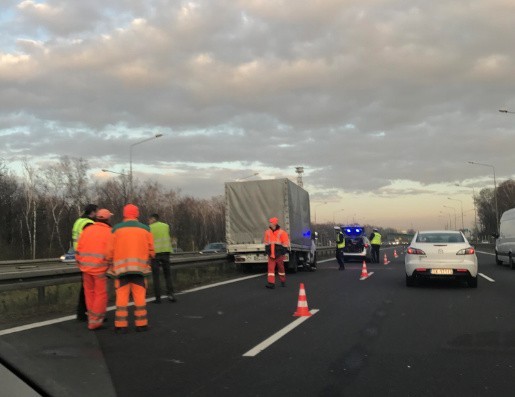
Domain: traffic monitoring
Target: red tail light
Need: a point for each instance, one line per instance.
(466, 251)
(415, 251)
(366, 246)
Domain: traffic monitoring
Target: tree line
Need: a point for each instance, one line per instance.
(485, 206)
(37, 210)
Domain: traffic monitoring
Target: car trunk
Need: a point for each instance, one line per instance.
(353, 245)
(441, 252)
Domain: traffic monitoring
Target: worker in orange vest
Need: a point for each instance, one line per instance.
(131, 248)
(277, 244)
(91, 259)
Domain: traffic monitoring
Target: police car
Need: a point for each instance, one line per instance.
(357, 245)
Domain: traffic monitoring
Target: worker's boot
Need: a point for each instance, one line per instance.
(270, 286)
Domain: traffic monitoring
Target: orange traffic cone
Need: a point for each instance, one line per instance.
(386, 261)
(364, 273)
(395, 254)
(302, 304)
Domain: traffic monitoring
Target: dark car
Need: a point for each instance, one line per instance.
(68, 257)
(214, 248)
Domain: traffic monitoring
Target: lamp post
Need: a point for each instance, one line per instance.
(455, 217)
(449, 214)
(461, 205)
(247, 177)
(335, 212)
(495, 190)
(130, 160)
(316, 206)
(114, 172)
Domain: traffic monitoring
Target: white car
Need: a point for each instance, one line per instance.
(440, 254)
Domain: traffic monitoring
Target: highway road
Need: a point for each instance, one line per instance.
(374, 337)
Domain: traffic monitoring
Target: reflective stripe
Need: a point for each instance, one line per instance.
(92, 254)
(302, 304)
(99, 321)
(271, 274)
(120, 318)
(91, 264)
(122, 308)
(144, 317)
(129, 260)
(281, 274)
(95, 314)
(140, 307)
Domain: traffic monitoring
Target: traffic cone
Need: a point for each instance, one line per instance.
(302, 304)
(386, 261)
(364, 273)
(395, 254)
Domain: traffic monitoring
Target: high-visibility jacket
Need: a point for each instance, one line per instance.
(340, 242)
(161, 233)
(92, 248)
(276, 242)
(78, 226)
(376, 239)
(130, 248)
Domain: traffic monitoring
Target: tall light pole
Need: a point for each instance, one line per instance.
(475, 209)
(461, 205)
(455, 216)
(449, 214)
(495, 190)
(335, 212)
(316, 206)
(130, 160)
(247, 177)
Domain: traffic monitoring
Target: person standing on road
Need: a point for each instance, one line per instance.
(340, 245)
(86, 219)
(131, 247)
(91, 259)
(277, 244)
(375, 242)
(163, 248)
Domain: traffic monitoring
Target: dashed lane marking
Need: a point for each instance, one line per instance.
(487, 278)
(278, 335)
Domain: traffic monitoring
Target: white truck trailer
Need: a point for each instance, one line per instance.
(249, 205)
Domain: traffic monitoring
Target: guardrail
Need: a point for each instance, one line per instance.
(45, 272)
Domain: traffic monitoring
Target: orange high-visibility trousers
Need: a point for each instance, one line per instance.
(272, 263)
(125, 285)
(95, 291)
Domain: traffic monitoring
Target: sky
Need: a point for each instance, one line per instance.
(382, 102)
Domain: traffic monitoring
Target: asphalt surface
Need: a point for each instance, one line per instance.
(372, 337)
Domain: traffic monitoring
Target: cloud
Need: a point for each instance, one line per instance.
(361, 93)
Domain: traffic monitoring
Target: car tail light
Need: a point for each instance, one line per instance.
(466, 251)
(366, 245)
(420, 269)
(462, 270)
(415, 251)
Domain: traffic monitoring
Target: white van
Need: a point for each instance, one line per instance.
(505, 242)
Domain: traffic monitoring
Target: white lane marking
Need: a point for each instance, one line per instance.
(364, 278)
(327, 260)
(486, 277)
(111, 308)
(486, 253)
(278, 335)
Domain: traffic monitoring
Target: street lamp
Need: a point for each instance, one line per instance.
(495, 191)
(130, 160)
(454, 209)
(335, 212)
(449, 214)
(475, 209)
(114, 172)
(247, 177)
(316, 206)
(461, 205)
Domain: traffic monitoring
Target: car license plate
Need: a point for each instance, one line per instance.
(442, 271)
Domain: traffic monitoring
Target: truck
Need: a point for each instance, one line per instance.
(248, 207)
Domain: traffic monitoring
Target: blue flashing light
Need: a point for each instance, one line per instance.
(307, 234)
